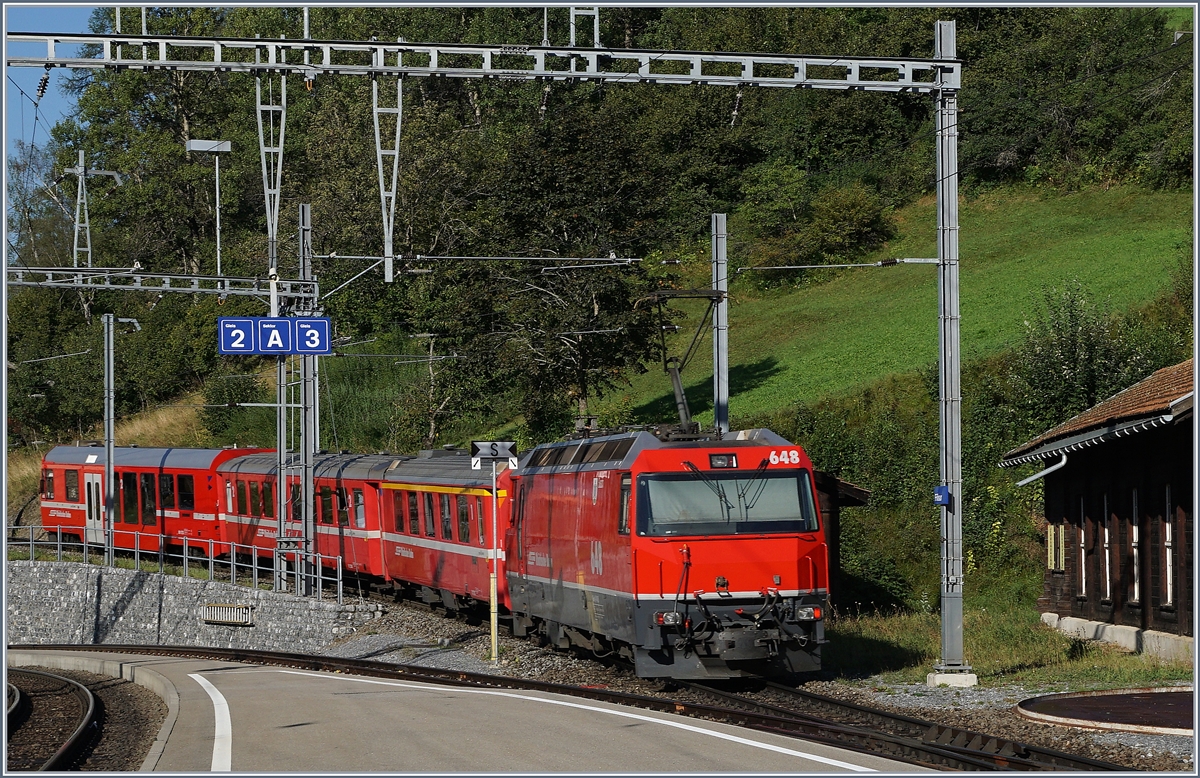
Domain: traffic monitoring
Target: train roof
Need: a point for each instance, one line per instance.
(437, 468)
(136, 456)
(617, 452)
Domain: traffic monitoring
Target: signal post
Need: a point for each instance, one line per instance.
(494, 450)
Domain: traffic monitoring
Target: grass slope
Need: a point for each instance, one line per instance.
(801, 344)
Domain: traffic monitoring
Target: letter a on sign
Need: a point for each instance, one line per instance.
(274, 340)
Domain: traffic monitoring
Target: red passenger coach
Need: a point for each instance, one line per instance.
(696, 559)
(162, 495)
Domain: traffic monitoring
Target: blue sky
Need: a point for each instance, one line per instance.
(18, 110)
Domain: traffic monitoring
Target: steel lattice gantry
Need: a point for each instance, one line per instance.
(260, 56)
(310, 59)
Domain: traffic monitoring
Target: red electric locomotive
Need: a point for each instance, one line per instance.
(699, 559)
(162, 495)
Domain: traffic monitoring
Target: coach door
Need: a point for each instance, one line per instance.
(94, 499)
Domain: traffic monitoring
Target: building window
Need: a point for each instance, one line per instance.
(1082, 550)
(72, 484)
(1134, 548)
(1169, 550)
(1107, 557)
(1056, 535)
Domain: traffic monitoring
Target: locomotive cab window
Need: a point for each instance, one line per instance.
(187, 493)
(728, 503)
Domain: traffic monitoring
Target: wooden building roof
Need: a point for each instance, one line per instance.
(1163, 397)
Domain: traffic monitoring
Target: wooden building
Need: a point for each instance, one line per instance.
(1119, 506)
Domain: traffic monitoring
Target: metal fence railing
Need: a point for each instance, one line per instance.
(292, 570)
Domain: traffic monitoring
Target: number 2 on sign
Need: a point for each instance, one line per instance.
(785, 457)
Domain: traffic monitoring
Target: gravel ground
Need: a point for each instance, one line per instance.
(130, 717)
(410, 633)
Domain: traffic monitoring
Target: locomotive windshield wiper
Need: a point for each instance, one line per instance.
(748, 504)
(716, 488)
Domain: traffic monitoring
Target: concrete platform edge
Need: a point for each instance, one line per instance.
(1177, 648)
(142, 676)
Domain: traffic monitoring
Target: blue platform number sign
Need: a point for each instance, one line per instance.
(312, 336)
(236, 335)
(274, 336)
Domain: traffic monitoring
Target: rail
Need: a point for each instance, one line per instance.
(205, 559)
(862, 739)
(1002, 752)
(66, 753)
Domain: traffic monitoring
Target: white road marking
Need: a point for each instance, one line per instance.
(223, 739)
(612, 712)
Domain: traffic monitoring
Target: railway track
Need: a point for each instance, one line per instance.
(51, 719)
(1003, 754)
(844, 725)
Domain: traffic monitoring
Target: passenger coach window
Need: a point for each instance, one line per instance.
(398, 506)
(72, 484)
(166, 490)
(414, 521)
(297, 508)
(255, 502)
(268, 501)
(464, 520)
(429, 516)
(48, 483)
(326, 505)
(149, 508)
(241, 498)
(187, 493)
(479, 518)
(343, 507)
(447, 522)
(360, 510)
(129, 498)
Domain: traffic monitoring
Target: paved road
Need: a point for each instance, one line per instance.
(229, 716)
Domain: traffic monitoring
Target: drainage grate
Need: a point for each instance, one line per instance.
(241, 615)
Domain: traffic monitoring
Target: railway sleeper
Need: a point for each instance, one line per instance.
(962, 738)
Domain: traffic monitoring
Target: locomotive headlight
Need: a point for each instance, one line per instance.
(668, 618)
(718, 461)
(810, 613)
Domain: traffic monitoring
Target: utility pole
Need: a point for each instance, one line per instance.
(720, 281)
(953, 668)
(110, 487)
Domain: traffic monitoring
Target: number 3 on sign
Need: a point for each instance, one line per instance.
(785, 457)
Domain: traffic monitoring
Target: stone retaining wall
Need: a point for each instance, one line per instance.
(70, 602)
(1174, 648)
